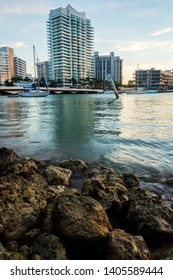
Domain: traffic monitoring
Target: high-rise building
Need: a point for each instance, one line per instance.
(6, 63)
(105, 65)
(70, 45)
(42, 70)
(19, 67)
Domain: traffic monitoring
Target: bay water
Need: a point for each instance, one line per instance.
(131, 134)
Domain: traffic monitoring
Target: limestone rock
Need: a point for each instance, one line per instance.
(108, 189)
(75, 165)
(149, 216)
(75, 215)
(81, 221)
(57, 176)
(130, 180)
(108, 194)
(22, 167)
(10, 255)
(49, 247)
(123, 246)
(21, 204)
(7, 158)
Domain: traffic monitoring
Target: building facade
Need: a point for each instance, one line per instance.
(20, 67)
(70, 45)
(43, 70)
(105, 65)
(153, 79)
(6, 64)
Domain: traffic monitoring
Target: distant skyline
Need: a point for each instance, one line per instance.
(139, 31)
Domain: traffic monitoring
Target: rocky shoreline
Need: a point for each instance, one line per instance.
(44, 216)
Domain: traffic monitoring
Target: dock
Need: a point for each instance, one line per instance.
(59, 90)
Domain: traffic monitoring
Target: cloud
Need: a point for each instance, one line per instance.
(143, 12)
(137, 46)
(133, 46)
(110, 5)
(162, 31)
(18, 44)
(103, 41)
(24, 7)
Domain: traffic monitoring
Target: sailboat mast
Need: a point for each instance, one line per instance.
(34, 63)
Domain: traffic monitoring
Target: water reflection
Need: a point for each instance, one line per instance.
(133, 132)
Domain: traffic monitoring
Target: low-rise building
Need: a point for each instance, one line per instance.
(153, 79)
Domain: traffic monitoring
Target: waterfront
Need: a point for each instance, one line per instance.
(133, 133)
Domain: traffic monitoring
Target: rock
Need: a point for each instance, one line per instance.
(109, 194)
(53, 192)
(36, 257)
(12, 246)
(49, 247)
(38, 180)
(25, 251)
(22, 167)
(75, 165)
(149, 216)
(130, 180)
(106, 173)
(163, 252)
(56, 175)
(108, 189)
(81, 222)
(29, 236)
(42, 217)
(21, 204)
(7, 158)
(9, 255)
(123, 246)
(1, 228)
(168, 181)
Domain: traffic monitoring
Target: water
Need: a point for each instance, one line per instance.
(133, 133)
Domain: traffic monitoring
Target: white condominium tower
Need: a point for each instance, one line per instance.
(70, 45)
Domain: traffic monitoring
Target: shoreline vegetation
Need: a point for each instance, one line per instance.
(45, 216)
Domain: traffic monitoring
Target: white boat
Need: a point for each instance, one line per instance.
(151, 91)
(35, 92)
(14, 94)
(136, 91)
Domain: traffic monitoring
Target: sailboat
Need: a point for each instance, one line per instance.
(35, 92)
(136, 90)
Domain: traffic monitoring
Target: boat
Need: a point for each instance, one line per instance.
(136, 91)
(36, 92)
(14, 94)
(151, 91)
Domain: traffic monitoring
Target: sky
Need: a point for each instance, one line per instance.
(139, 31)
